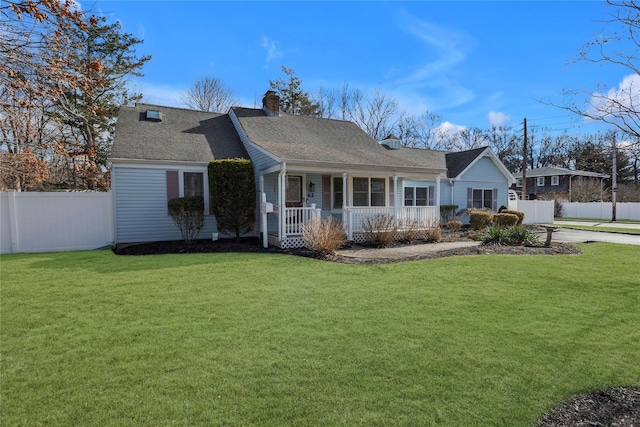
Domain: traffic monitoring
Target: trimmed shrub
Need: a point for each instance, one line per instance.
(188, 215)
(448, 212)
(233, 195)
(502, 208)
(479, 219)
(379, 229)
(323, 236)
(505, 219)
(519, 214)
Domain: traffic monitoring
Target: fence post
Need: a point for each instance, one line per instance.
(13, 222)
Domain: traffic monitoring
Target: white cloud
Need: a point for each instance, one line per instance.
(498, 119)
(450, 129)
(618, 102)
(272, 51)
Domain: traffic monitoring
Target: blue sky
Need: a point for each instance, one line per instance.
(473, 63)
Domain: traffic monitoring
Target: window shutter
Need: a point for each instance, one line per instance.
(326, 192)
(392, 192)
(431, 195)
(495, 200)
(469, 198)
(173, 185)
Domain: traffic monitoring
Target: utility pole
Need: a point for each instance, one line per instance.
(614, 178)
(523, 195)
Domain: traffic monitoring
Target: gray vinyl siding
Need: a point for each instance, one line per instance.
(141, 207)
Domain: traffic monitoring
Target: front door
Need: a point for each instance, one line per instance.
(294, 191)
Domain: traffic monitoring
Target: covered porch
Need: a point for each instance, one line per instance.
(291, 197)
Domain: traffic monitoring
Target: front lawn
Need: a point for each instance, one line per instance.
(91, 338)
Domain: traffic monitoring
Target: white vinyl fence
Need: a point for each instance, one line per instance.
(536, 211)
(49, 222)
(601, 210)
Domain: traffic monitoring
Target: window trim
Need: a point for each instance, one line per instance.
(555, 180)
(540, 181)
(494, 198)
(369, 192)
(429, 201)
(518, 182)
(205, 185)
(333, 192)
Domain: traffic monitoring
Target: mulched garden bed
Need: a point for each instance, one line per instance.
(254, 245)
(615, 407)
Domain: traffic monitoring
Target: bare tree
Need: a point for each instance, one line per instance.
(375, 114)
(619, 46)
(209, 94)
(420, 131)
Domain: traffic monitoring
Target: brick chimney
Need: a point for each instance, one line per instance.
(271, 103)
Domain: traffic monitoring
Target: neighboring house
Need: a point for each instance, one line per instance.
(305, 167)
(552, 182)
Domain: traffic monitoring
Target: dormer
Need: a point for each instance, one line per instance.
(392, 142)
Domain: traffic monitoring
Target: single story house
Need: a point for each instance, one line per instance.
(304, 167)
(553, 182)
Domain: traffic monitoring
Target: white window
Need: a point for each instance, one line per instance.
(482, 198)
(193, 184)
(418, 196)
(369, 191)
(519, 182)
(188, 183)
(338, 193)
(540, 181)
(555, 180)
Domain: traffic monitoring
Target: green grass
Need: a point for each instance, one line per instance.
(90, 338)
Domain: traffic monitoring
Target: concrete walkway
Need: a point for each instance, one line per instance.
(402, 252)
(562, 235)
(569, 235)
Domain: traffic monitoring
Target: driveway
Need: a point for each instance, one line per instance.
(574, 236)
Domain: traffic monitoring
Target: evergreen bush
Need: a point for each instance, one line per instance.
(505, 219)
(233, 195)
(479, 219)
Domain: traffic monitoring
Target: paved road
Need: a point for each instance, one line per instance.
(573, 236)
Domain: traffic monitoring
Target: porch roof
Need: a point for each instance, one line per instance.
(300, 139)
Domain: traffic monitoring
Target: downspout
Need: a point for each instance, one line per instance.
(451, 181)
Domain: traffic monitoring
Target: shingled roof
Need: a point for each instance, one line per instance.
(180, 135)
(459, 161)
(294, 138)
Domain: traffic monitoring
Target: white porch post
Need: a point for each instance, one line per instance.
(346, 219)
(438, 190)
(263, 214)
(395, 198)
(282, 205)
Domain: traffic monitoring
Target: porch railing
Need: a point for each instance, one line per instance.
(295, 217)
(424, 215)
